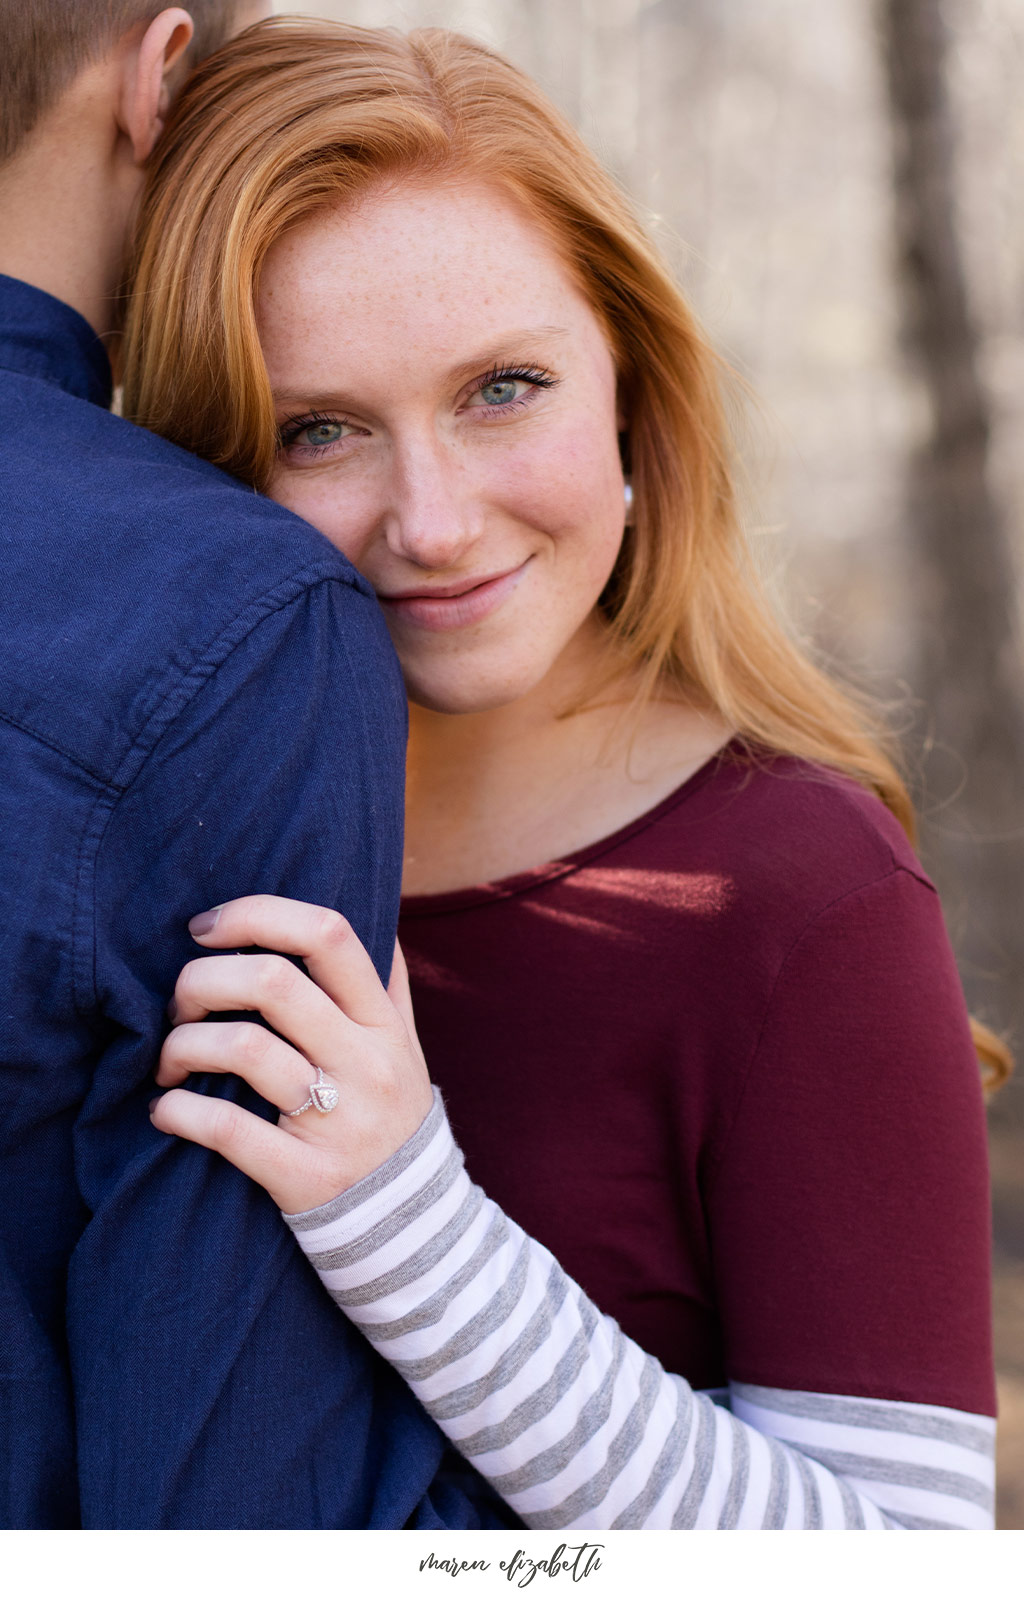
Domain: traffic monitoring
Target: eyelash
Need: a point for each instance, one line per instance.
(538, 376)
(291, 427)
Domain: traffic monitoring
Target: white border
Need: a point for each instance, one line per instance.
(633, 1566)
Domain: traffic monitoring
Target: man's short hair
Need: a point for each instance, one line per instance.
(44, 43)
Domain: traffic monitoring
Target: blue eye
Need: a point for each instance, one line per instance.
(312, 436)
(320, 433)
(507, 388)
(500, 392)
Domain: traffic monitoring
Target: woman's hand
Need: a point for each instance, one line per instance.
(338, 1018)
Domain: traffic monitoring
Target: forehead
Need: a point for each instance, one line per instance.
(434, 267)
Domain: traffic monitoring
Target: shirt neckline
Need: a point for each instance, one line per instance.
(428, 905)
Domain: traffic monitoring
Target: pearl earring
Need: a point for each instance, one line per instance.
(627, 495)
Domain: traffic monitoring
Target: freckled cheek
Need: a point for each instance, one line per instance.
(337, 513)
(570, 485)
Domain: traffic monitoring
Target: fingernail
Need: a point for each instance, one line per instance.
(172, 1009)
(205, 922)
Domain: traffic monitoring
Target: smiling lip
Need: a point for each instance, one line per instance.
(453, 605)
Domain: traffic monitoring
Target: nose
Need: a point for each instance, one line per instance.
(431, 520)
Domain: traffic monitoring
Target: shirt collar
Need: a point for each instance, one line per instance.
(44, 338)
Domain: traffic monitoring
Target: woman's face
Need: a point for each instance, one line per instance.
(447, 406)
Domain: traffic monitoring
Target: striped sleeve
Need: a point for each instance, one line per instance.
(573, 1424)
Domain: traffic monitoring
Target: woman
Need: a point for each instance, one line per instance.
(680, 977)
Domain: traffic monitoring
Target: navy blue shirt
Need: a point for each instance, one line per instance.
(198, 700)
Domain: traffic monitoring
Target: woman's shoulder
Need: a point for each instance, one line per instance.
(790, 837)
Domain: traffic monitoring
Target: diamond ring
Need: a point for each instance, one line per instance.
(323, 1096)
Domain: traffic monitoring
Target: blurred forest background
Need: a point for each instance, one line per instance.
(838, 183)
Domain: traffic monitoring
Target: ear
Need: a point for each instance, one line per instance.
(145, 95)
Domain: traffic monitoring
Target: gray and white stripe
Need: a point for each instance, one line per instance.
(572, 1422)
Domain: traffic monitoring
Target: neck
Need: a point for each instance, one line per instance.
(493, 793)
(66, 200)
(474, 754)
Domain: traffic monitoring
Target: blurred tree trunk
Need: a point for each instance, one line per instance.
(969, 670)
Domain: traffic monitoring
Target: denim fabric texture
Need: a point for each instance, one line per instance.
(198, 699)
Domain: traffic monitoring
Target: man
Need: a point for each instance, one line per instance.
(197, 700)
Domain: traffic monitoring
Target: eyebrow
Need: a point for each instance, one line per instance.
(497, 351)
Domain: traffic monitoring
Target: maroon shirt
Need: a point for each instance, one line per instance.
(719, 1064)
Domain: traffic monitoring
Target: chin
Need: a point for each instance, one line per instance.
(465, 694)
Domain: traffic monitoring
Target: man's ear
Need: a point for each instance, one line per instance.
(145, 96)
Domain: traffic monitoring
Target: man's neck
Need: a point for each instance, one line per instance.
(65, 205)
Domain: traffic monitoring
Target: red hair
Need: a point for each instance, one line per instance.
(296, 116)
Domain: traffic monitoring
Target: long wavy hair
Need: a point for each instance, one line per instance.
(296, 116)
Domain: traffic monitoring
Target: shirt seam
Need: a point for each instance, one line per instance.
(58, 749)
(187, 687)
(213, 657)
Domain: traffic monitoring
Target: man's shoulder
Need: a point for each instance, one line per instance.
(72, 470)
(126, 561)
